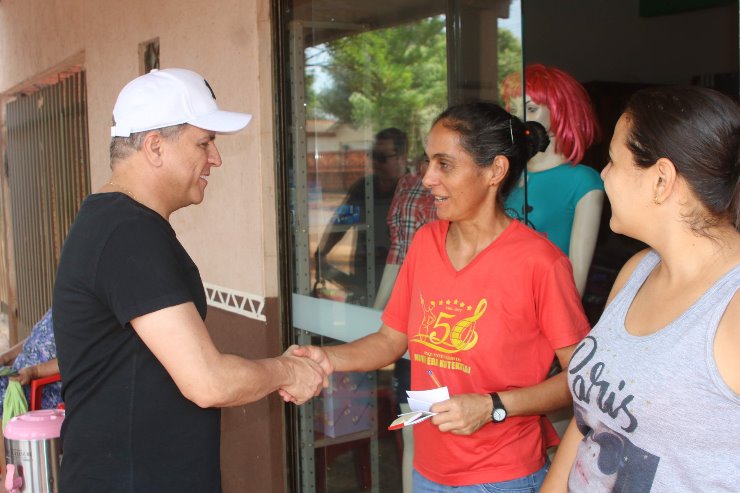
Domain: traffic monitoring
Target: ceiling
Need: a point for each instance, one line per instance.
(331, 19)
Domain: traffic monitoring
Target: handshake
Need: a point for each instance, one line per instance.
(308, 369)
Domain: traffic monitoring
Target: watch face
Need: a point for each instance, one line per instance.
(499, 415)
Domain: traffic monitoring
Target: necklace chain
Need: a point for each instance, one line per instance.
(124, 190)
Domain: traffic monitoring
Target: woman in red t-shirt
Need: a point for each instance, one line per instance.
(483, 304)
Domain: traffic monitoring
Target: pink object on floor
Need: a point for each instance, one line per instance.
(35, 425)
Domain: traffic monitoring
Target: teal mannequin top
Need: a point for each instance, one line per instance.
(553, 195)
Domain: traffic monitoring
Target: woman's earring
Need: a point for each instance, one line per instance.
(656, 200)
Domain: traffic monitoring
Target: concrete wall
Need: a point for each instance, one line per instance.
(232, 235)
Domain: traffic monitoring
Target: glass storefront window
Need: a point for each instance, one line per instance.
(365, 82)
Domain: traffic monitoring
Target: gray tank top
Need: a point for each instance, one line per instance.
(655, 413)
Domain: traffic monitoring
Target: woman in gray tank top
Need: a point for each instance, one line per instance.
(656, 384)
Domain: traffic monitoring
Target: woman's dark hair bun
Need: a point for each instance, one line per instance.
(536, 138)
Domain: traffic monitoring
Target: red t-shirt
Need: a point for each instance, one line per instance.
(492, 326)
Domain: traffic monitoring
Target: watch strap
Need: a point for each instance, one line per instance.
(497, 404)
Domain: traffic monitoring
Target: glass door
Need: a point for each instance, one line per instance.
(365, 81)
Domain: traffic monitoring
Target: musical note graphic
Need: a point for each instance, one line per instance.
(439, 333)
(464, 335)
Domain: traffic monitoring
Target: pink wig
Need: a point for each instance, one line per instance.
(572, 118)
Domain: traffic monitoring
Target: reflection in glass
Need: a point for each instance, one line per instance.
(365, 81)
(371, 239)
(392, 79)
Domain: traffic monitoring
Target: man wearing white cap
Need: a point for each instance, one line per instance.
(142, 379)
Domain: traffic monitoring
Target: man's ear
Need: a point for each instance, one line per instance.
(153, 148)
(499, 169)
(664, 182)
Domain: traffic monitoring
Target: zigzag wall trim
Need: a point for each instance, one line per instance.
(231, 300)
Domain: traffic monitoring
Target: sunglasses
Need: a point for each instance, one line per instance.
(381, 158)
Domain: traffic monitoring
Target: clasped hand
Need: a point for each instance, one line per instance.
(462, 414)
(311, 367)
(25, 375)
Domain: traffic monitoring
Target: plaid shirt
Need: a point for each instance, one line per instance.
(411, 208)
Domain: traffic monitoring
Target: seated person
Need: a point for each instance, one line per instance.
(35, 357)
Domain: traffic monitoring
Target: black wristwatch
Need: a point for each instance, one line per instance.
(499, 411)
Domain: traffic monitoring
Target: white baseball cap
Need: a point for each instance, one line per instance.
(171, 96)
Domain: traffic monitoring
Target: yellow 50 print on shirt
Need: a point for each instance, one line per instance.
(449, 325)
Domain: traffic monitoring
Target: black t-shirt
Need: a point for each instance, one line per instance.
(127, 428)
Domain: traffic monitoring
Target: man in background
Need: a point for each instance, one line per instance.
(375, 191)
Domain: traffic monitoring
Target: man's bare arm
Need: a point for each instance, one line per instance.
(179, 339)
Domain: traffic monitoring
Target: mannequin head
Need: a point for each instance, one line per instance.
(552, 93)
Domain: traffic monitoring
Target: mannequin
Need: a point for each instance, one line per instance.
(564, 198)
